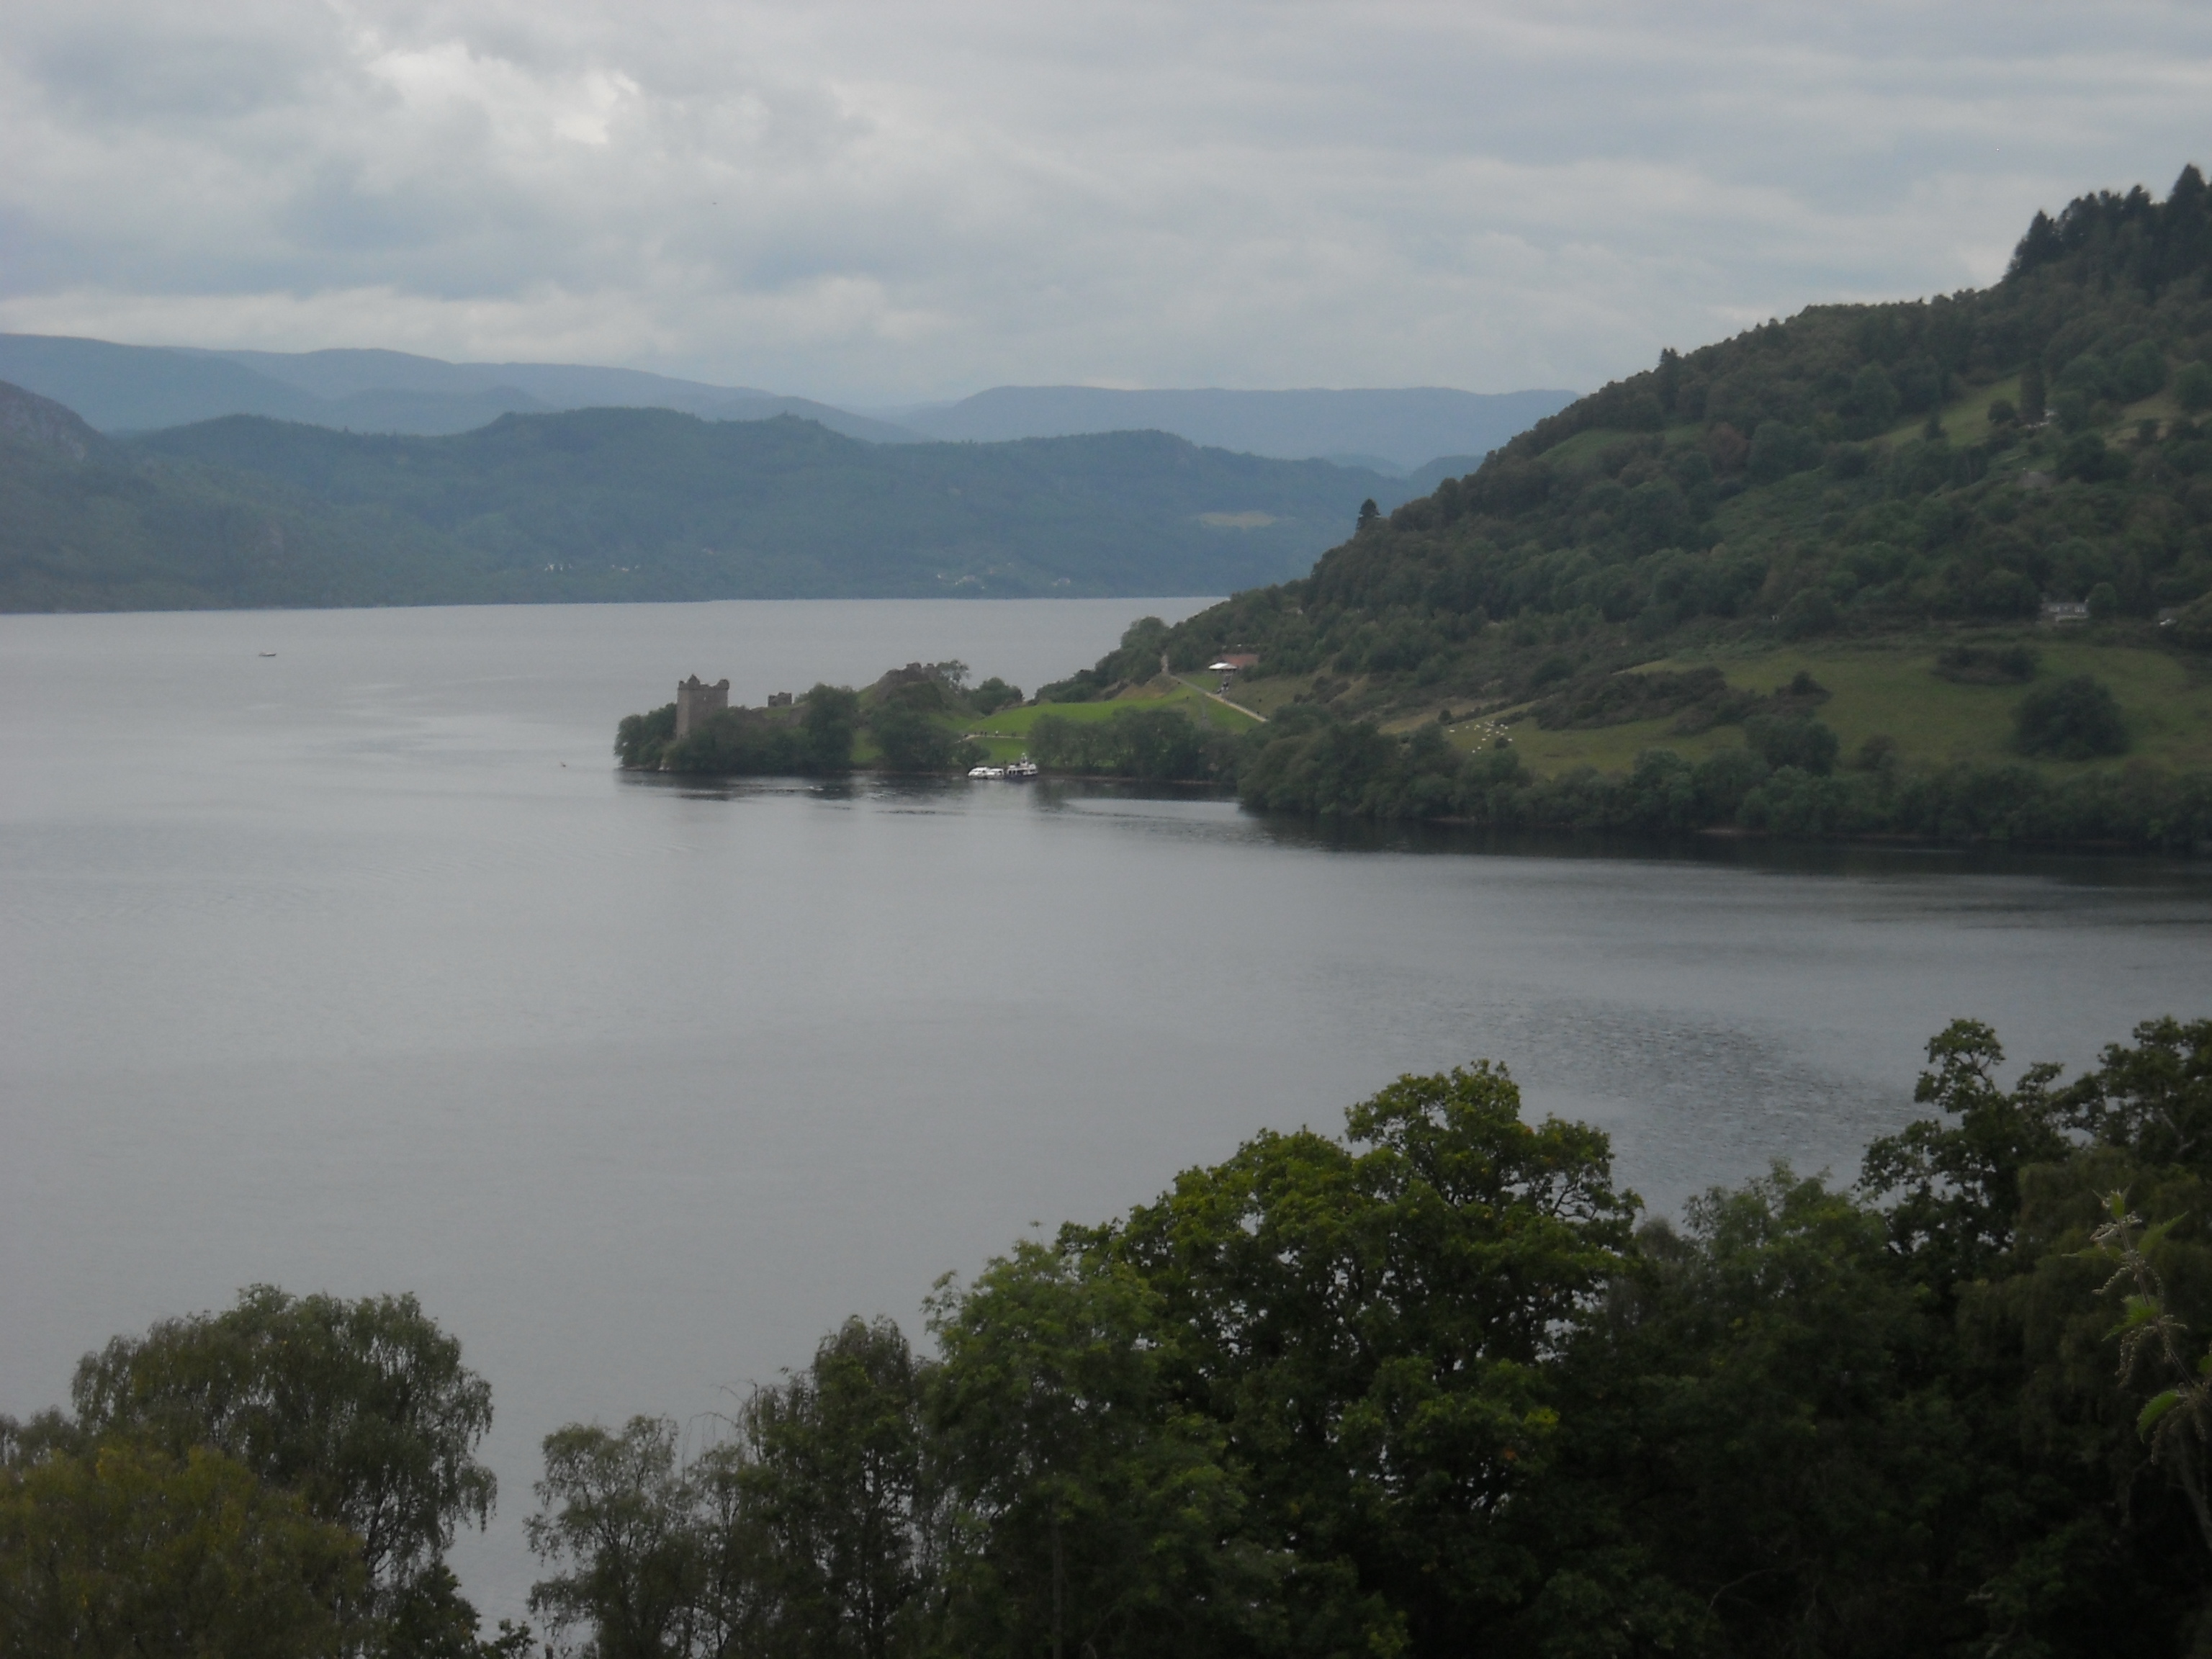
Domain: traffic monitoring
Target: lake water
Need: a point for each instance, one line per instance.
(358, 968)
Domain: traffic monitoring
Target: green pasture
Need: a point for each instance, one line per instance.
(1006, 734)
(1889, 689)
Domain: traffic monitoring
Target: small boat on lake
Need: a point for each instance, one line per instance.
(987, 771)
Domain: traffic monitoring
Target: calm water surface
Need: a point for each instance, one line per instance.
(357, 968)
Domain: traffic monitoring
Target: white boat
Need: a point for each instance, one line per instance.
(1022, 770)
(987, 771)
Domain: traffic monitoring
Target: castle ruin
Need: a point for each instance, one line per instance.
(696, 701)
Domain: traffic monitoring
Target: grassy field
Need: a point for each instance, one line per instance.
(1006, 734)
(1889, 690)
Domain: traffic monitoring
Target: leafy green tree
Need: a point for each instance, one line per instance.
(2033, 393)
(992, 694)
(640, 739)
(829, 1480)
(2192, 388)
(621, 1516)
(362, 1408)
(1954, 1190)
(2139, 371)
(1089, 1515)
(1755, 1412)
(126, 1550)
(912, 739)
(830, 720)
(2076, 719)
(1797, 740)
(1373, 1325)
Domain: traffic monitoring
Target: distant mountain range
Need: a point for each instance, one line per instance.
(127, 389)
(1434, 432)
(1394, 431)
(634, 504)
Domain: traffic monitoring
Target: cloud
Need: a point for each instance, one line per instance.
(883, 202)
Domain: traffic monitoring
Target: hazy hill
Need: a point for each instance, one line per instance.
(1404, 428)
(86, 524)
(125, 388)
(637, 504)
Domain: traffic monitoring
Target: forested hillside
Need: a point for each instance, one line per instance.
(1856, 491)
(86, 525)
(650, 504)
(632, 504)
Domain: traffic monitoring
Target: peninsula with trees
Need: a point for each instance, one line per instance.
(1938, 570)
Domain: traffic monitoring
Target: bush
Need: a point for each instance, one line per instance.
(2139, 371)
(1811, 612)
(2077, 719)
(994, 694)
(1987, 665)
(911, 740)
(640, 739)
(2090, 459)
(2192, 388)
(1795, 740)
(1778, 450)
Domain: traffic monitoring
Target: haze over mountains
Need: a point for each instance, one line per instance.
(121, 389)
(127, 388)
(1387, 431)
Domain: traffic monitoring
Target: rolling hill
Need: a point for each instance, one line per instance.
(1945, 515)
(632, 504)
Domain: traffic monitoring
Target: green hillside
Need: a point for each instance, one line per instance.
(617, 504)
(88, 525)
(633, 503)
(1863, 493)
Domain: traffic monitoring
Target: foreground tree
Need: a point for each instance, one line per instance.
(1373, 1327)
(127, 1551)
(361, 1408)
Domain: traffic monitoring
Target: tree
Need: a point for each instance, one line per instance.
(2192, 388)
(1797, 740)
(1373, 1325)
(829, 1480)
(1369, 513)
(832, 715)
(620, 1514)
(992, 694)
(912, 739)
(639, 738)
(2076, 718)
(127, 1550)
(1087, 1514)
(361, 1408)
(2033, 393)
(1956, 1191)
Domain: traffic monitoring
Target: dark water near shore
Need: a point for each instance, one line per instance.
(357, 968)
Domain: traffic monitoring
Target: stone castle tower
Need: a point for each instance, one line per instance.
(694, 701)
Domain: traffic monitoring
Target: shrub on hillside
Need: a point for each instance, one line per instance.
(2076, 718)
(1795, 740)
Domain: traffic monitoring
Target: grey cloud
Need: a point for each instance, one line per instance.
(869, 202)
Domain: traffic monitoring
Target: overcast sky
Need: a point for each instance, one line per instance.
(876, 204)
